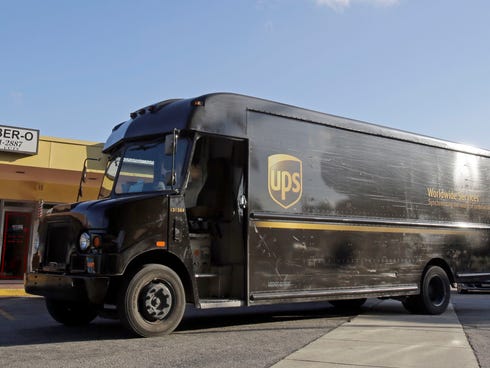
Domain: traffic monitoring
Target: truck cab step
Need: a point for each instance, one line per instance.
(221, 303)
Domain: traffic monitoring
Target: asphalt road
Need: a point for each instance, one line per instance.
(30, 338)
(473, 311)
(231, 338)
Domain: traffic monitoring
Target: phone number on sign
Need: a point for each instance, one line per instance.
(9, 144)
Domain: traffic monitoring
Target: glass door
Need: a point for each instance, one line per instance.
(16, 233)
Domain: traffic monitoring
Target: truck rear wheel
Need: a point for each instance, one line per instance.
(71, 313)
(434, 295)
(152, 302)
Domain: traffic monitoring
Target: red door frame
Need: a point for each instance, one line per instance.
(26, 240)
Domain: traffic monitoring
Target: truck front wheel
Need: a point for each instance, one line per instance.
(152, 302)
(71, 313)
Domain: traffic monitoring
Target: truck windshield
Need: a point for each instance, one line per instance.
(143, 167)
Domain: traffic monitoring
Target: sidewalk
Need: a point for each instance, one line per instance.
(387, 336)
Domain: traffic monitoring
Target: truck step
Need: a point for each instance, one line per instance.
(221, 303)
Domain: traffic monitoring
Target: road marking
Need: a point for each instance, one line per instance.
(6, 315)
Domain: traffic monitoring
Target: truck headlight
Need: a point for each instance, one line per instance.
(84, 241)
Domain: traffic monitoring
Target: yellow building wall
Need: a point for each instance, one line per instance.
(48, 192)
(58, 153)
(53, 175)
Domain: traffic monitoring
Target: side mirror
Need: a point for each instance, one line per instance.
(83, 177)
(169, 145)
(170, 150)
(170, 179)
(171, 142)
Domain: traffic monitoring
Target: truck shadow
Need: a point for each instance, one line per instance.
(205, 320)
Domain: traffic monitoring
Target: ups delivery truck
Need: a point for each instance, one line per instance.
(227, 200)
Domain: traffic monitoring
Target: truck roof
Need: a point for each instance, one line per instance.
(226, 114)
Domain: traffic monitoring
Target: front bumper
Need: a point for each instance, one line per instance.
(67, 287)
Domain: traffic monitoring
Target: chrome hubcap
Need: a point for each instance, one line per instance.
(156, 301)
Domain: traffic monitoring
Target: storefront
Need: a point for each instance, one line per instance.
(37, 173)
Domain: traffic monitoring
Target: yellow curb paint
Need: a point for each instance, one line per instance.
(13, 292)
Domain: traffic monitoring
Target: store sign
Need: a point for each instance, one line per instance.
(18, 140)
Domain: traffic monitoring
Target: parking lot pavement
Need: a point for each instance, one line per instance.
(387, 336)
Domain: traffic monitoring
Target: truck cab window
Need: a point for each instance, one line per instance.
(110, 175)
(144, 167)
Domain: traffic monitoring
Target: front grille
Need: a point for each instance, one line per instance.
(60, 240)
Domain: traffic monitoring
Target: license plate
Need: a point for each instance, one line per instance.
(90, 265)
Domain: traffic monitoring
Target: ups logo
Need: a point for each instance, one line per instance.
(285, 179)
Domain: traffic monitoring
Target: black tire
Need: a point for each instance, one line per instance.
(348, 304)
(152, 302)
(434, 295)
(71, 313)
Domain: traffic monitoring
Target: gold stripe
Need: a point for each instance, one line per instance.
(359, 228)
